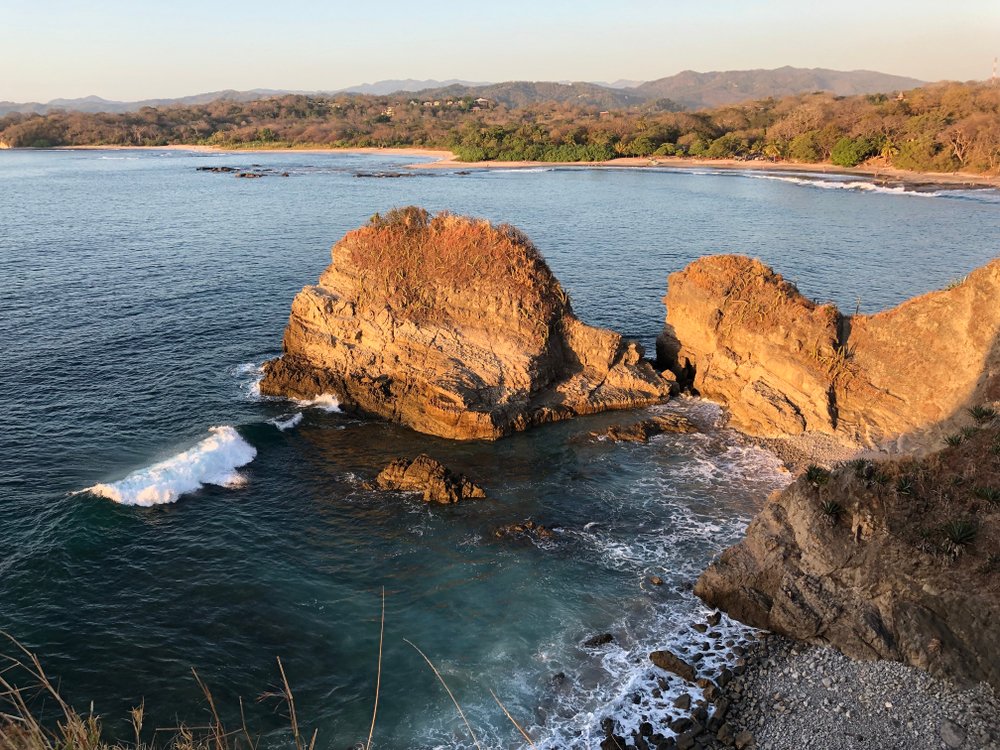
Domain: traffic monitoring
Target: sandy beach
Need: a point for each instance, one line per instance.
(443, 159)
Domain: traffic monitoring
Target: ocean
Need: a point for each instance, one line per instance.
(159, 516)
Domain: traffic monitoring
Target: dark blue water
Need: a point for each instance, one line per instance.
(137, 295)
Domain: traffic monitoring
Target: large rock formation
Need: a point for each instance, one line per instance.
(739, 333)
(895, 560)
(453, 327)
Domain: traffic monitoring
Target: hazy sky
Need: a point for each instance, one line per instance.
(137, 49)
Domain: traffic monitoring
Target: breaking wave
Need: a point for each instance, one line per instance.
(287, 421)
(214, 460)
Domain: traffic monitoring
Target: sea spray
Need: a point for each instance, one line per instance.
(324, 402)
(214, 460)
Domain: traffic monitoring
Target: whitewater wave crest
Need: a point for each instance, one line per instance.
(855, 185)
(287, 421)
(214, 460)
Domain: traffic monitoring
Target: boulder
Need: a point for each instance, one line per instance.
(454, 327)
(670, 662)
(739, 333)
(423, 474)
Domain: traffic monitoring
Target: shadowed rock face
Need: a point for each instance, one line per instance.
(739, 333)
(453, 327)
(879, 561)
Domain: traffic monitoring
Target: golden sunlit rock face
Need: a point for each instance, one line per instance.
(454, 327)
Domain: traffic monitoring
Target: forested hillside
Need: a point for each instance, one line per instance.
(940, 127)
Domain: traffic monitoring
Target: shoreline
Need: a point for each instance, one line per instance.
(444, 159)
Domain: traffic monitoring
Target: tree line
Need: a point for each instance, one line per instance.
(941, 128)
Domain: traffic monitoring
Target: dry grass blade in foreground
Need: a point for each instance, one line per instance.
(447, 690)
(378, 675)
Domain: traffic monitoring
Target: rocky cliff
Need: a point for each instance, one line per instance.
(894, 560)
(454, 327)
(741, 334)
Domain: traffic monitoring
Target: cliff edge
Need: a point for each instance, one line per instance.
(454, 327)
(895, 560)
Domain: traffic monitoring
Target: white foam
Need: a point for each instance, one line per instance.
(522, 170)
(250, 373)
(286, 422)
(327, 402)
(856, 185)
(214, 460)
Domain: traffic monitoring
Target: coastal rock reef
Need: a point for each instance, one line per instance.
(454, 327)
(893, 560)
(423, 474)
(783, 365)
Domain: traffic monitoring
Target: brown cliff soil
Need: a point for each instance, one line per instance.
(454, 327)
(897, 560)
(739, 333)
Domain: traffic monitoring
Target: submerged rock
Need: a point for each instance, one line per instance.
(423, 474)
(739, 333)
(641, 432)
(454, 327)
(525, 529)
(891, 561)
(602, 639)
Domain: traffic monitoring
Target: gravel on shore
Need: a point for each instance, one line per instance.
(796, 697)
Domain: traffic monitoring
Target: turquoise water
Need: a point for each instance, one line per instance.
(138, 298)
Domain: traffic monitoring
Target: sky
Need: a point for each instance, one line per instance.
(137, 50)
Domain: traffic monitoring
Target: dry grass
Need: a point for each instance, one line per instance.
(946, 504)
(425, 266)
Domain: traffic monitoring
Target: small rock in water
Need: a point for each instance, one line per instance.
(683, 702)
(670, 662)
(527, 529)
(423, 474)
(714, 619)
(656, 580)
(599, 640)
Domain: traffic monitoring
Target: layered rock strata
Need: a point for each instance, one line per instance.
(454, 327)
(739, 333)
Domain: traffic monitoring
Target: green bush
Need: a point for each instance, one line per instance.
(849, 152)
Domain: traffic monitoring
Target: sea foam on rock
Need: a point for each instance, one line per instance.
(454, 327)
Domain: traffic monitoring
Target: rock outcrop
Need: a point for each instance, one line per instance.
(894, 560)
(454, 327)
(423, 474)
(739, 333)
(642, 431)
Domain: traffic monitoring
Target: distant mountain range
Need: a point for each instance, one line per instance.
(688, 89)
(697, 90)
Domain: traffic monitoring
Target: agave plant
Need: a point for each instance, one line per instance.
(983, 413)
